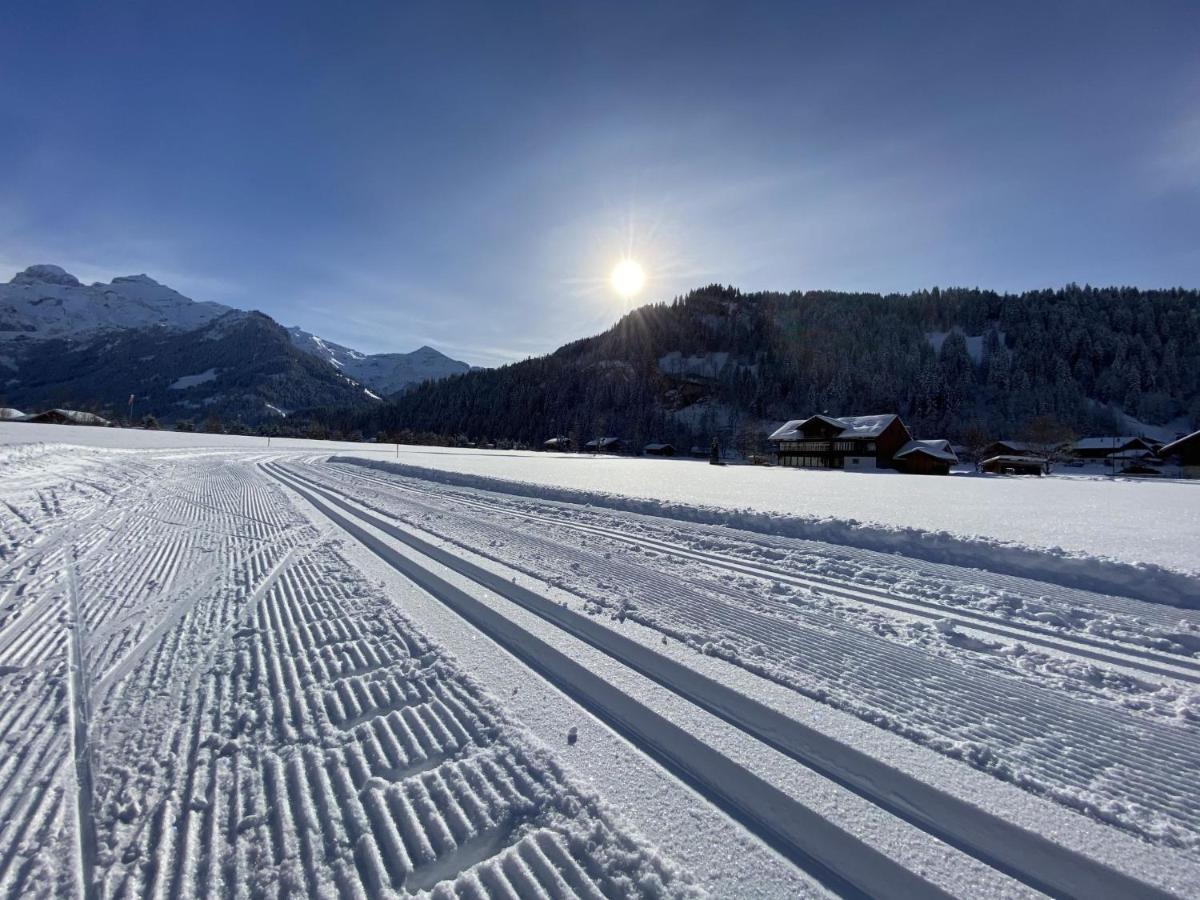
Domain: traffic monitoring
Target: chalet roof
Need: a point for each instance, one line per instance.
(603, 442)
(7, 412)
(1013, 445)
(658, 447)
(1132, 454)
(1176, 445)
(1103, 443)
(852, 426)
(74, 416)
(1006, 458)
(938, 449)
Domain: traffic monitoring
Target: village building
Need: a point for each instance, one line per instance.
(1133, 456)
(560, 444)
(1186, 452)
(857, 443)
(1101, 447)
(1008, 447)
(659, 450)
(933, 457)
(64, 417)
(7, 412)
(1007, 464)
(604, 445)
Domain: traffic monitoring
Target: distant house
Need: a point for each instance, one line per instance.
(604, 445)
(846, 442)
(1100, 447)
(560, 444)
(1008, 448)
(1132, 456)
(64, 417)
(7, 412)
(1013, 465)
(933, 457)
(1186, 450)
(658, 450)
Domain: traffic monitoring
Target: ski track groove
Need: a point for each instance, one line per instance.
(264, 721)
(1016, 730)
(846, 587)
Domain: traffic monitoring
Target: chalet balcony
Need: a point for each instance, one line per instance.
(855, 447)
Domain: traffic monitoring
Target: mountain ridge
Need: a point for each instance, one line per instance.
(53, 327)
(386, 373)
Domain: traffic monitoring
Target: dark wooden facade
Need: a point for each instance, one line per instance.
(1103, 447)
(1186, 450)
(1014, 465)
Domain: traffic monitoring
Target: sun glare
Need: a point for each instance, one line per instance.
(628, 278)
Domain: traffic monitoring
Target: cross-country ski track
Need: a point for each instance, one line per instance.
(237, 674)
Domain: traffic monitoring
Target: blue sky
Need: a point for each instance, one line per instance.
(466, 175)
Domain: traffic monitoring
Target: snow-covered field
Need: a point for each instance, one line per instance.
(242, 670)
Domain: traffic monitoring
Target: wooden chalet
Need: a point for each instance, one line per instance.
(1101, 447)
(64, 417)
(933, 457)
(1186, 450)
(855, 443)
(604, 445)
(559, 444)
(1014, 465)
(1008, 447)
(659, 450)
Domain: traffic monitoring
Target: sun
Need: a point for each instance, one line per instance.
(628, 278)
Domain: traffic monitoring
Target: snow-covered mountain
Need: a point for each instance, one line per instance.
(98, 343)
(384, 373)
(46, 302)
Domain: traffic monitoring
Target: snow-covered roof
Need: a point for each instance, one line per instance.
(1014, 445)
(603, 442)
(787, 430)
(1176, 445)
(1131, 454)
(7, 412)
(76, 416)
(1003, 458)
(852, 426)
(1101, 443)
(937, 448)
(865, 426)
(658, 447)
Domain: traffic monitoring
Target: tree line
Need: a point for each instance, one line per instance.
(1078, 357)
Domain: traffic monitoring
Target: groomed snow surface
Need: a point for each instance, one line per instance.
(238, 670)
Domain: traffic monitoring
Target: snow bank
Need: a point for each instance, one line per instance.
(1139, 538)
(1000, 525)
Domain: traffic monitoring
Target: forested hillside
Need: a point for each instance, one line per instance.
(952, 362)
